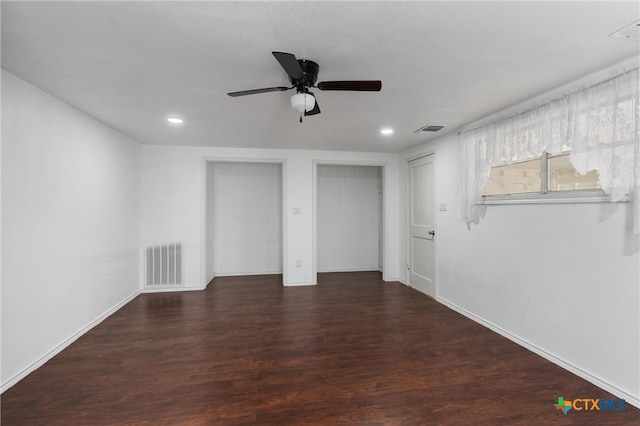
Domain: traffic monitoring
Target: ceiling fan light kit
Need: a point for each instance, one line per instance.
(303, 102)
(303, 75)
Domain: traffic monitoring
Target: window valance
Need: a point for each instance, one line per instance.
(599, 124)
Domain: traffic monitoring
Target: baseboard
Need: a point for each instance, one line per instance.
(213, 277)
(242, 274)
(372, 269)
(629, 398)
(55, 351)
(403, 281)
(299, 284)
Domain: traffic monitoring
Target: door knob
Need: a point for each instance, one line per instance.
(432, 233)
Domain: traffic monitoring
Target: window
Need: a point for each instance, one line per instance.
(517, 178)
(544, 175)
(598, 121)
(564, 177)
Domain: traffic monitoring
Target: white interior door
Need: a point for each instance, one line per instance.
(421, 225)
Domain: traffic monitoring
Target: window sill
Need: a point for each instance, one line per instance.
(549, 198)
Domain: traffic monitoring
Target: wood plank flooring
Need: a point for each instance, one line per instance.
(352, 350)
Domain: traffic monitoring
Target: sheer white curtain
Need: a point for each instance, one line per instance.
(599, 123)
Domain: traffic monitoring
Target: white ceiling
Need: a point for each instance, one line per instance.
(132, 64)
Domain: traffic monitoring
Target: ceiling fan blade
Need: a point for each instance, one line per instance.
(315, 110)
(256, 91)
(290, 64)
(359, 85)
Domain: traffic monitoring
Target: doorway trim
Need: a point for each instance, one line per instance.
(203, 215)
(385, 188)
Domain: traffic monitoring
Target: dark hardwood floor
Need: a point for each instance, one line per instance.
(352, 350)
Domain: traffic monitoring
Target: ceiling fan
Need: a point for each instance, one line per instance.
(303, 75)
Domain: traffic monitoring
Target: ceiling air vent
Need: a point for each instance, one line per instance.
(429, 129)
(630, 32)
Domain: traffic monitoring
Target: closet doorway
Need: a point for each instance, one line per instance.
(349, 217)
(243, 219)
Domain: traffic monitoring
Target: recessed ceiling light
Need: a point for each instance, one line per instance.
(175, 120)
(386, 131)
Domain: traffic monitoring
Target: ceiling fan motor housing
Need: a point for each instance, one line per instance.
(310, 70)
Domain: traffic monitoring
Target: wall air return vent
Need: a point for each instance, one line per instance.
(429, 128)
(630, 32)
(164, 265)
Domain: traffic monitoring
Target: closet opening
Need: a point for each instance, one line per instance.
(349, 218)
(243, 219)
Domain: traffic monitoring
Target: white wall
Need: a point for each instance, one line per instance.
(70, 224)
(173, 193)
(561, 279)
(246, 221)
(349, 215)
